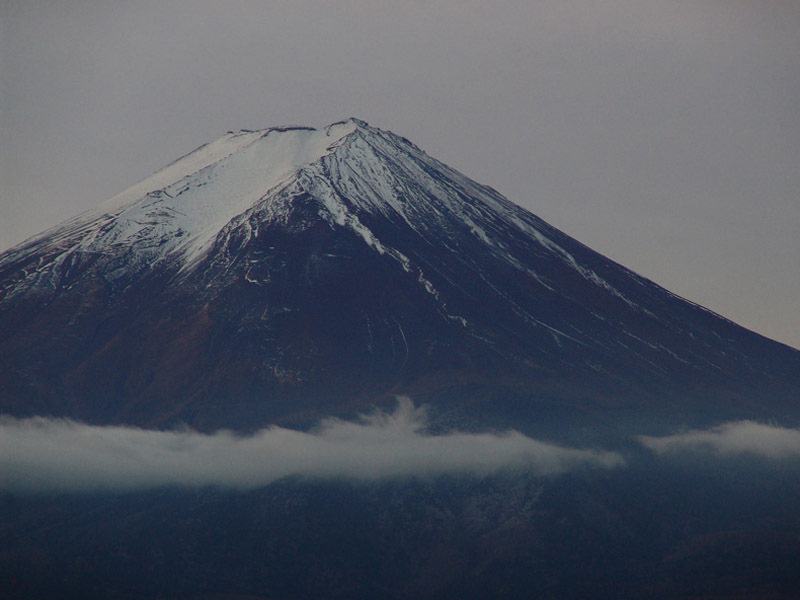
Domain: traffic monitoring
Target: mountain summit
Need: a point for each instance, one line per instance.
(276, 275)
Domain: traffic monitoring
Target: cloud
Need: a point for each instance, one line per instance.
(42, 454)
(737, 438)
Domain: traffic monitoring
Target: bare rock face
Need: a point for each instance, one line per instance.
(279, 275)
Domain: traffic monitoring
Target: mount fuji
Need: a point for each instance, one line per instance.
(278, 275)
(209, 334)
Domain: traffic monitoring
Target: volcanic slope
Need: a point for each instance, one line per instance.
(283, 274)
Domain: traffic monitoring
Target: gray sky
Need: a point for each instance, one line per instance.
(664, 134)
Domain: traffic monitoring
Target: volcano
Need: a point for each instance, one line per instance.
(278, 275)
(285, 276)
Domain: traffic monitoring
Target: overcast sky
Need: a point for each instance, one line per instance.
(664, 134)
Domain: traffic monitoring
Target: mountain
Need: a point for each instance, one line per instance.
(285, 275)
(275, 276)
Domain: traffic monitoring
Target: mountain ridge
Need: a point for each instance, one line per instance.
(304, 270)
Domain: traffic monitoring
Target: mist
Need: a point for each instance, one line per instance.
(730, 439)
(43, 454)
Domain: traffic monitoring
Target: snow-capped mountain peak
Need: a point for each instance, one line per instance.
(183, 207)
(190, 201)
(304, 259)
(352, 170)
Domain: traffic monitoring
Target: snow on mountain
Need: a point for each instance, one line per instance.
(352, 168)
(184, 206)
(347, 254)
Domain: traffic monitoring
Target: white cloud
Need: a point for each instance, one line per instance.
(41, 454)
(741, 437)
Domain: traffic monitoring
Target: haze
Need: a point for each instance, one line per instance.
(41, 454)
(45, 454)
